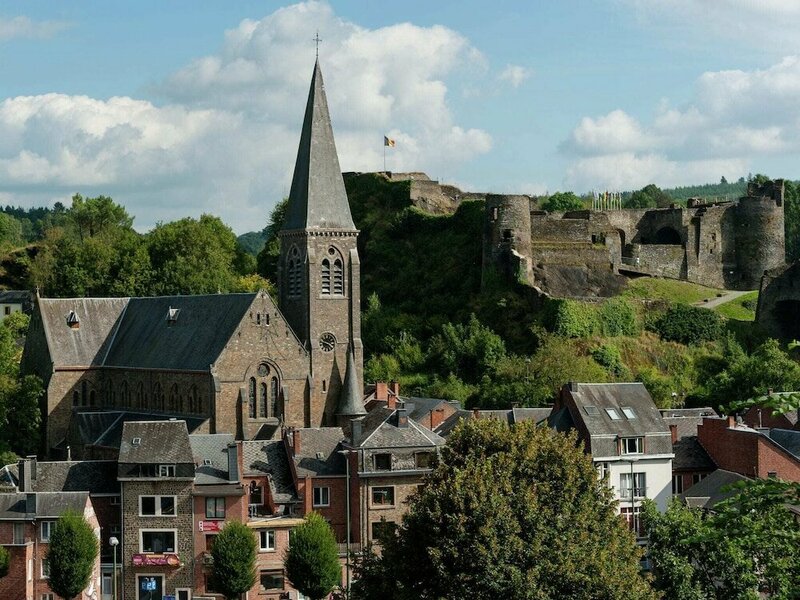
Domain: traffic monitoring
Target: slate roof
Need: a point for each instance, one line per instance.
(603, 430)
(691, 456)
(317, 199)
(351, 402)
(420, 408)
(269, 458)
(318, 454)
(379, 430)
(704, 411)
(709, 491)
(88, 344)
(161, 442)
(514, 415)
(48, 504)
(93, 476)
(538, 415)
(104, 428)
(15, 297)
(213, 448)
(446, 427)
(788, 439)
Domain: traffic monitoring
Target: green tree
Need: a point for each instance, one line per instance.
(562, 202)
(650, 196)
(25, 416)
(268, 256)
(93, 216)
(512, 512)
(689, 325)
(234, 554)
(467, 350)
(792, 220)
(5, 561)
(312, 561)
(71, 555)
(10, 232)
(192, 256)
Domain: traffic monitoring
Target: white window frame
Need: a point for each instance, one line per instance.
(158, 505)
(324, 495)
(157, 529)
(48, 596)
(628, 412)
(15, 529)
(603, 469)
(374, 504)
(677, 484)
(164, 470)
(179, 590)
(264, 534)
(613, 414)
(638, 483)
(50, 525)
(639, 445)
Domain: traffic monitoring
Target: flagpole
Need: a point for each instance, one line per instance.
(384, 155)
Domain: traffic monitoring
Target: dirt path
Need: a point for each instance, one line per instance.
(726, 297)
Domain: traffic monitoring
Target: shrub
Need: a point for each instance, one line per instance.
(234, 554)
(71, 555)
(618, 317)
(571, 318)
(312, 561)
(689, 325)
(5, 560)
(610, 359)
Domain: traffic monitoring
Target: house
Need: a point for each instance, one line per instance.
(627, 437)
(712, 489)
(691, 463)
(759, 417)
(510, 416)
(240, 363)
(12, 301)
(26, 520)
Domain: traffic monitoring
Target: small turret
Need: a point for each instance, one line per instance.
(350, 402)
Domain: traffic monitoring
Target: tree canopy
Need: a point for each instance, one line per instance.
(650, 196)
(512, 512)
(234, 554)
(562, 202)
(312, 561)
(72, 553)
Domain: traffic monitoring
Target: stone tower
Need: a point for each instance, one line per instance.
(318, 270)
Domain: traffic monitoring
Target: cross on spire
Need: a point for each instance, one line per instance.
(317, 39)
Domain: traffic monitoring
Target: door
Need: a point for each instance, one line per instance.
(150, 587)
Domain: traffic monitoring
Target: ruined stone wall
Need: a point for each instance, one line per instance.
(760, 237)
(778, 309)
(661, 260)
(507, 238)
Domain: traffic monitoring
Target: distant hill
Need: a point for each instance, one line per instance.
(252, 242)
(709, 191)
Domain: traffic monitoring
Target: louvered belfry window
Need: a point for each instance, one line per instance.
(338, 278)
(294, 272)
(326, 277)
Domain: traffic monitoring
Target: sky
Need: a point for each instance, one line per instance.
(176, 107)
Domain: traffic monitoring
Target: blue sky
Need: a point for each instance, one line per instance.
(178, 108)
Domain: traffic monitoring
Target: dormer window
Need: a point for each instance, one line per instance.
(632, 445)
(172, 315)
(137, 441)
(382, 462)
(166, 471)
(73, 322)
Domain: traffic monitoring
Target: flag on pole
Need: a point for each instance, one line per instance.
(388, 142)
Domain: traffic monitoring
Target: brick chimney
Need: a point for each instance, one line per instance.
(391, 400)
(402, 418)
(437, 418)
(394, 388)
(296, 441)
(731, 422)
(673, 429)
(381, 391)
(233, 462)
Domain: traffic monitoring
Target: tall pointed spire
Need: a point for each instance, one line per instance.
(350, 403)
(317, 199)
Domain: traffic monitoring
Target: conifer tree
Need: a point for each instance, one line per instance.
(312, 561)
(234, 554)
(72, 554)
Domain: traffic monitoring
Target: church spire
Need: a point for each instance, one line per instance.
(351, 403)
(317, 199)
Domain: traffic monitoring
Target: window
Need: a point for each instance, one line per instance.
(45, 568)
(338, 278)
(251, 398)
(157, 506)
(677, 484)
(383, 462)
(293, 267)
(30, 569)
(423, 460)
(166, 470)
(114, 501)
(591, 410)
(46, 528)
(628, 412)
(632, 445)
(52, 596)
(271, 580)
(613, 414)
(632, 480)
(633, 519)
(602, 470)
(273, 397)
(158, 541)
(322, 496)
(215, 508)
(255, 493)
(19, 533)
(183, 594)
(262, 401)
(7, 310)
(381, 528)
(105, 584)
(326, 277)
(266, 540)
(698, 477)
(210, 542)
(383, 496)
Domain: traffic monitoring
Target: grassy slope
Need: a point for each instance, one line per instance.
(681, 292)
(735, 309)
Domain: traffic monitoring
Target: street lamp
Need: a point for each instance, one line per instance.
(346, 454)
(114, 542)
(633, 494)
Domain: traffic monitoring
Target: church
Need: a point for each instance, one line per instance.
(226, 363)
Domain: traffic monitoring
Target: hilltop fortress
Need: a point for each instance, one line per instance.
(588, 252)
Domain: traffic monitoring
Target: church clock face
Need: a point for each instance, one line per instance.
(327, 342)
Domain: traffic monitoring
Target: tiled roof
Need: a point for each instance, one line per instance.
(530, 414)
(690, 455)
(685, 426)
(788, 439)
(210, 451)
(48, 504)
(379, 429)
(158, 442)
(104, 428)
(269, 458)
(319, 452)
(709, 491)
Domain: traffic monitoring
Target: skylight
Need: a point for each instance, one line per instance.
(613, 414)
(591, 410)
(628, 412)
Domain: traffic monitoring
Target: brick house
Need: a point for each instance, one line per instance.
(26, 520)
(751, 452)
(240, 363)
(627, 437)
(691, 463)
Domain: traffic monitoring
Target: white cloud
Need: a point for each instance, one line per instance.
(514, 75)
(225, 138)
(24, 27)
(732, 118)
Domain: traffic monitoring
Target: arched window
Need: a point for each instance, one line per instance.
(338, 278)
(84, 393)
(123, 394)
(200, 408)
(326, 277)
(294, 272)
(262, 400)
(91, 398)
(273, 397)
(193, 400)
(173, 398)
(141, 401)
(251, 398)
(158, 397)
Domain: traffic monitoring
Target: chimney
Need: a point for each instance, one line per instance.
(381, 391)
(731, 422)
(296, 441)
(233, 462)
(30, 504)
(391, 400)
(27, 473)
(437, 418)
(673, 429)
(355, 431)
(394, 388)
(402, 418)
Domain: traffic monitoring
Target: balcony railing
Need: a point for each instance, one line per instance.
(354, 547)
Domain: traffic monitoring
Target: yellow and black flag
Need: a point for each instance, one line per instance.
(388, 142)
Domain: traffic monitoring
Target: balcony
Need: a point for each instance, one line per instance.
(354, 547)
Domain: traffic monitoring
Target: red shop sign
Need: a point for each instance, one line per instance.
(210, 526)
(159, 560)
